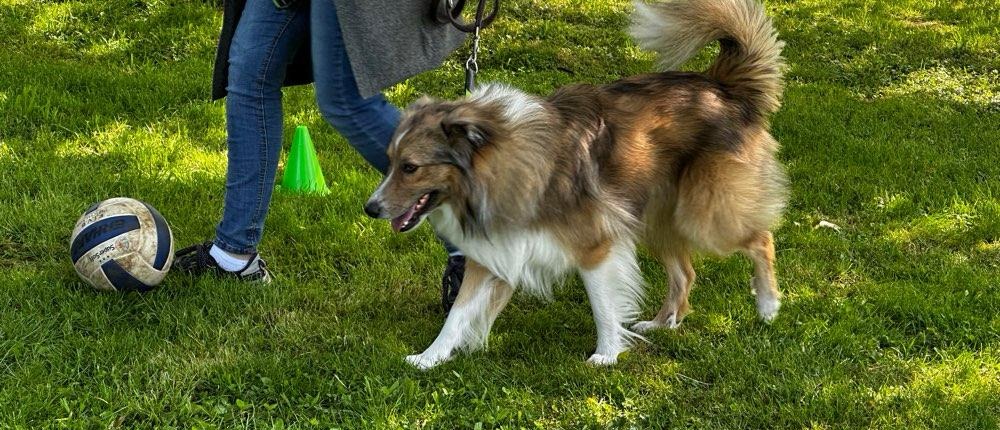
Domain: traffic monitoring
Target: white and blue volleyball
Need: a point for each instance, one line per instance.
(122, 244)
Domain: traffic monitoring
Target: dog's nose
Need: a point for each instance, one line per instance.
(373, 208)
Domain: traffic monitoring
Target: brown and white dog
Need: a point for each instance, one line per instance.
(533, 188)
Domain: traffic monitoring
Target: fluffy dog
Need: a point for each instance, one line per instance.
(533, 188)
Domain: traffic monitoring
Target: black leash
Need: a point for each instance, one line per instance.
(452, 9)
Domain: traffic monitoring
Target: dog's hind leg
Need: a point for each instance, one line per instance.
(677, 264)
(760, 249)
(480, 299)
(614, 287)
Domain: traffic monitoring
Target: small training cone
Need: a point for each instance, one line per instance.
(302, 171)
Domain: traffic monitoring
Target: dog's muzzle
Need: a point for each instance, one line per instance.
(374, 209)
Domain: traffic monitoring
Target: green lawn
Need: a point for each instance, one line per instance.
(890, 129)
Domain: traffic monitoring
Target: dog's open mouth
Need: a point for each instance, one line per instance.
(412, 217)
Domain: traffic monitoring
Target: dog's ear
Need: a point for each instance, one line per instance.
(457, 127)
(466, 135)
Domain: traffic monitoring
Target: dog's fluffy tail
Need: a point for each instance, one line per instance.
(749, 61)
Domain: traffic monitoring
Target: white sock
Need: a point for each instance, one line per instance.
(228, 262)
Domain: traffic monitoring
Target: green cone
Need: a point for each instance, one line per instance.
(302, 171)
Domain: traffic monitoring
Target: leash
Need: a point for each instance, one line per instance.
(452, 10)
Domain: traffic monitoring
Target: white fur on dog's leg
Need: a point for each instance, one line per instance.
(613, 288)
(598, 360)
(422, 362)
(647, 326)
(767, 308)
(439, 352)
(767, 303)
(672, 322)
(468, 324)
(443, 347)
(765, 286)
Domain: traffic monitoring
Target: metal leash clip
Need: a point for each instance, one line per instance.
(451, 11)
(472, 65)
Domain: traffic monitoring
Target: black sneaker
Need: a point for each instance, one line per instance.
(196, 260)
(451, 281)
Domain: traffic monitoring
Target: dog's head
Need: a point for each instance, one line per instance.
(450, 152)
(431, 157)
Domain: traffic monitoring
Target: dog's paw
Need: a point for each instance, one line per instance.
(647, 326)
(768, 309)
(643, 327)
(422, 362)
(600, 360)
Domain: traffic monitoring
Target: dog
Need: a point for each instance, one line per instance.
(532, 189)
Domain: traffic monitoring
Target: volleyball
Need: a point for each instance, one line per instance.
(122, 244)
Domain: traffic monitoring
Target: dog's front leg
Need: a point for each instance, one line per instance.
(480, 299)
(614, 286)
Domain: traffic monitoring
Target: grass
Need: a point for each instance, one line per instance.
(889, 130)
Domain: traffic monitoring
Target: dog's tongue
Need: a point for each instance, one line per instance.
(400, 221)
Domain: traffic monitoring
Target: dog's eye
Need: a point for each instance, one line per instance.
(409, 167)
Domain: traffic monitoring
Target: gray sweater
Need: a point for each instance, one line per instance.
(387, 41)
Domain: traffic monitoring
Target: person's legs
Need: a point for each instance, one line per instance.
(366, 123)
(264, 44)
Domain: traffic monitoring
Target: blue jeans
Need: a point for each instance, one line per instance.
(263, 46)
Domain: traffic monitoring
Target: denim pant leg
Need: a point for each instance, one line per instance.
(263, 46)
(367, 124)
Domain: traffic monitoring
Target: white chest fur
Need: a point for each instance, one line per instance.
(530, 260)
